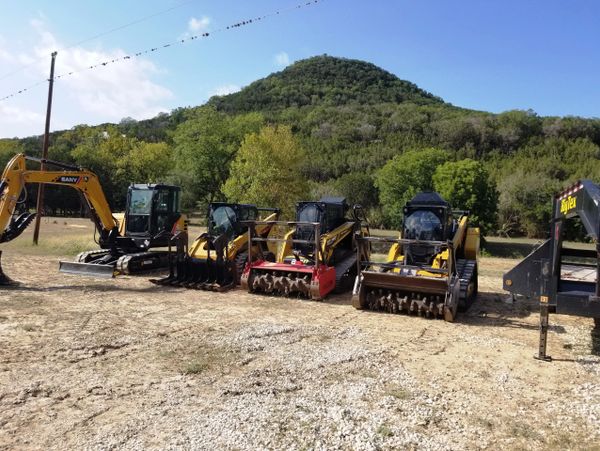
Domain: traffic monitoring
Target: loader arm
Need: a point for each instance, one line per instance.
(330, 240)
(16, 176)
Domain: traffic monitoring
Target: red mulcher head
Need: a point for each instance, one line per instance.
(288, 279)
(313, 280)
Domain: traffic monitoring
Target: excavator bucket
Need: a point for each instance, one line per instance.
(87, 269)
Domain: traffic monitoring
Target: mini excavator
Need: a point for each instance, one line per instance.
(215, 260)
(317, 254)
(152, 215)
(431, 270)
(565, 280)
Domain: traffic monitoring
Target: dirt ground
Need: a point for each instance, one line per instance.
(122, 363)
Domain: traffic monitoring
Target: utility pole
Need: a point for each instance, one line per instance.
(40, 194)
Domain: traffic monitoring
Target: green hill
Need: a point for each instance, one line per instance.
(324, 80)
(351, 118)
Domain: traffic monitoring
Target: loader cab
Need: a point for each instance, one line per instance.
(151, 209)
(330, 212)
(427, 217)
(226, 218)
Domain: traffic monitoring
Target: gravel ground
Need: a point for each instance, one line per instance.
(91, 364)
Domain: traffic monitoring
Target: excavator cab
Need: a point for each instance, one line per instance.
(151, 209)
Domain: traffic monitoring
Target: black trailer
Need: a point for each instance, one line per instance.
(548, 272)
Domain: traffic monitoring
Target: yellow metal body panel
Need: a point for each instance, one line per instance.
(472, 243)
(328, 243)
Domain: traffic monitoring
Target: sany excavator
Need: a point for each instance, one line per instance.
(152, 216)
(431, 270)
(215, 260)
(563, 279)
(317, 255)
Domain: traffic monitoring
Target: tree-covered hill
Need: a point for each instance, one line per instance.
(361, 132)
(324, 80)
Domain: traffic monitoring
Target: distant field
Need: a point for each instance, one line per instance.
(80, 233)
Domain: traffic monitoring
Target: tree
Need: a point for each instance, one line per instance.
(357, 188)
(404, 176)
(266, 170)
(149, 162)
(525, 202)
(466, 184)
(204, 147)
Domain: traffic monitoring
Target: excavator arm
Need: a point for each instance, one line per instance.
(16, 176)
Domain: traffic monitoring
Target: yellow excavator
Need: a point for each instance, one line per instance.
(215, 260)
(317, 255)
(431, 270)
(151, 217)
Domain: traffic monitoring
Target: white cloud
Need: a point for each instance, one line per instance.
(282, 59)
(105, 94)
(197, 25)
(223, 90)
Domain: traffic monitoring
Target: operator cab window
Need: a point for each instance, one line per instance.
(223, 220)
(423, 225)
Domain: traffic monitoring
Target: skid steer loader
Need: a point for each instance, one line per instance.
(215, 260)
(564, 279)
(317, 255)
(125, 244)
(431, 270)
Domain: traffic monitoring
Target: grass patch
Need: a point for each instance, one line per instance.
(54, 245)
(195, 367)
(385, 431)
(398, 392)
(524, 430)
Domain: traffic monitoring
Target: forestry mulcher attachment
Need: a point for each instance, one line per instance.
(317, 254)
(215, 260)
(431, 270)
(565, 280)
(152, 215)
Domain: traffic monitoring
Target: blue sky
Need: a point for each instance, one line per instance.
(486, 55)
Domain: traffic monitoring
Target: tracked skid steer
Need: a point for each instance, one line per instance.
(317, 252)
(565, 280)
(431, 270)
(215, 260)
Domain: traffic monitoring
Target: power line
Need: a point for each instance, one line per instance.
(99, 35)
(235, 25)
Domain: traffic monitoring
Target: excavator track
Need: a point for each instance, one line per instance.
(90, 256)
(141, 262)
